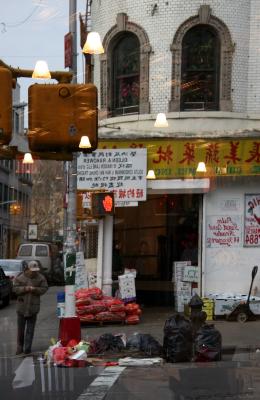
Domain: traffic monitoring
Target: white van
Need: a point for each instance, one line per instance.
(47, 255)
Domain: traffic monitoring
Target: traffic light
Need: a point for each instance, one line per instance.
(5, 106)
(15, 209)
(102, 204)
(60, 114)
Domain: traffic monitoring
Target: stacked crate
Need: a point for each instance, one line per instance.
(208, 307)
(182, 290)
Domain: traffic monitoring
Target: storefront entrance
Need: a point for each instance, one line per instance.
(151, 237)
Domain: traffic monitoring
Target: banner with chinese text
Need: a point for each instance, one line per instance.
(178, 158)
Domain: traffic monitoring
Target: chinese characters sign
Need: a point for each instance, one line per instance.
(121, 171)
(252, 220)
(178, 158)
(223, 231)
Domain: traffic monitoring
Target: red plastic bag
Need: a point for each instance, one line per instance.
(87, 318)
(60, 354)
(109, 301)
(117, 307)
(132, 308)
(132, 319)
(110, 316)
(83, 301)
(94, 308)
(95, 293)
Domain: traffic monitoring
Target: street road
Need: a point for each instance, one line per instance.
(236, 377)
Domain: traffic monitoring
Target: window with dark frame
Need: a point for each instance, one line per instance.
(200, 69)
(126, 75)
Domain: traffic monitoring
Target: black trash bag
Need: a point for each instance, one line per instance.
(145, 343)
(109, 343)
(208, 344)
(177, 342)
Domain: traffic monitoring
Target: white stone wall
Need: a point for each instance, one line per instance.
(254, 59)
(161, 28)
(228, 269)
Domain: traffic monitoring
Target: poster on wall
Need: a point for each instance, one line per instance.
(223, 231)
(252, 220)
(32, 231)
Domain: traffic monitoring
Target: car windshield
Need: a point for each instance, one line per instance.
(10, 266)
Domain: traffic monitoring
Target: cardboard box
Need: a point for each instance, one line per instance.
(127, 286)
(190, 273)
(178, 270)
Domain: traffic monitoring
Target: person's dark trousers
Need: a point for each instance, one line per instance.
(25, 332)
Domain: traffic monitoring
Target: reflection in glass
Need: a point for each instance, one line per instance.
(200, 69)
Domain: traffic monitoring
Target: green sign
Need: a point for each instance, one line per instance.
(70, 268)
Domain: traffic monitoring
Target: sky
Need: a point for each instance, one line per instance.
(32, 30)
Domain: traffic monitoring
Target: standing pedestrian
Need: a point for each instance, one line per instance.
(29, 285)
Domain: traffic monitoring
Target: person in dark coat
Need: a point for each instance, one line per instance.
(29, 285)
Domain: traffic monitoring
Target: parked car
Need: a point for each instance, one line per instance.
(12, 267)
(5, 288)
(48, 257)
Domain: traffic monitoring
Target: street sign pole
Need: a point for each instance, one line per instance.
(71, 231)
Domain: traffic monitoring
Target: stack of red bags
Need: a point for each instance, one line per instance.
(133, 313)
(93, 306)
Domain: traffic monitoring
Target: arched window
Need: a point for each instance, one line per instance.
(124, 69)
(126, 75)
(200, 69)
(202, 82)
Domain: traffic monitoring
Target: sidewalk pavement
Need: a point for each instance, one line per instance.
(235, 335)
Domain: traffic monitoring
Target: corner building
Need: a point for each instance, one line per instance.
(197, 62)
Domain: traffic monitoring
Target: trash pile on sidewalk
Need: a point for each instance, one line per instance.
(106, 350)
(183, 342)
(92, 306)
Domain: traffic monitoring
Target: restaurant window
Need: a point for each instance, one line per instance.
(200, 69)
(126, 75)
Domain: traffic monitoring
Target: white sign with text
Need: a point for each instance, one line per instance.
(252, 220)
(223, 231)
(122, 171)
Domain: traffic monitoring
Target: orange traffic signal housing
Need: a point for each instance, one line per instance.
(6, 84)
(60, 114)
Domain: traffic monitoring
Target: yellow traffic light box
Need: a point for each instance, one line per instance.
(5, 106)
(60, 114)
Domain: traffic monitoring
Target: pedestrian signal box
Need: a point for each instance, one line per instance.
(5, 106)
(102, 204)
(60, 114)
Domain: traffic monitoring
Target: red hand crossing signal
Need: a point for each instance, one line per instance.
(102, 204)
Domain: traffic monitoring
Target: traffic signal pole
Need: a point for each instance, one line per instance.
(70, 325)
(59, 76)
(70, 245)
